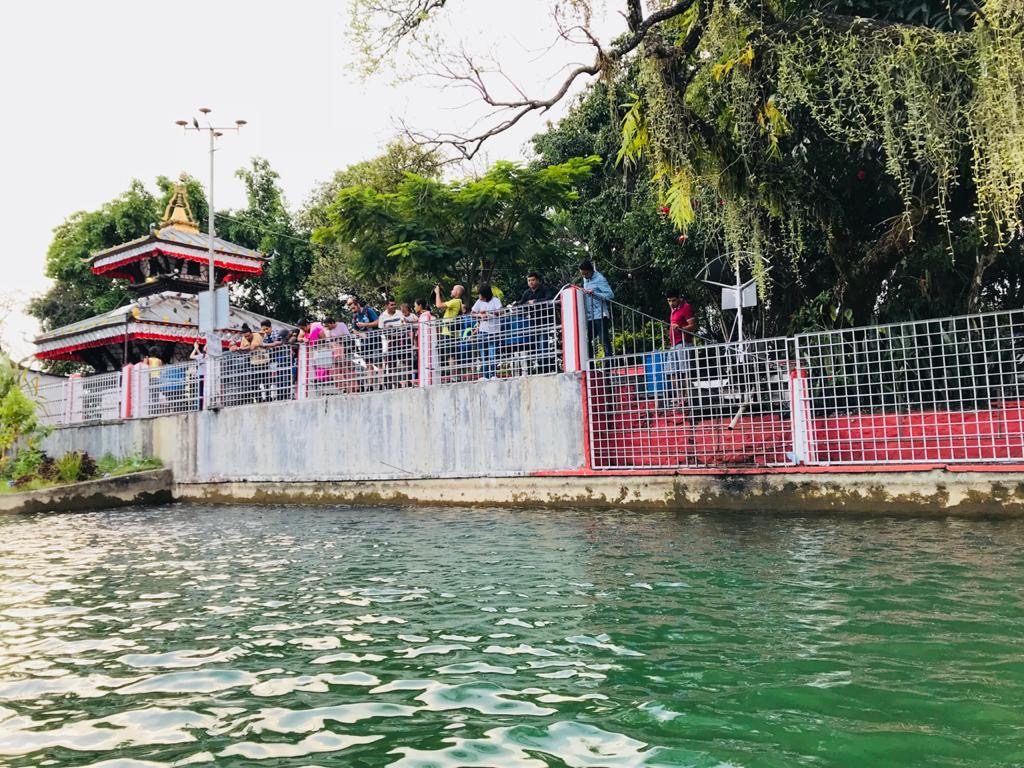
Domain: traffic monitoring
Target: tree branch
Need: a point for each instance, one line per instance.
(511, 111)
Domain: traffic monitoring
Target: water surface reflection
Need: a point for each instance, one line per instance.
(432, 637)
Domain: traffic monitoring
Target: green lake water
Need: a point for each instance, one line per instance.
(249, 636)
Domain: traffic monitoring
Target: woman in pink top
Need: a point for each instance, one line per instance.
(316, 336)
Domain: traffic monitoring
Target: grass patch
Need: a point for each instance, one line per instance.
(112, 467)
(33, 470)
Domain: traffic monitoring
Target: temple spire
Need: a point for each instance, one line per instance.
(178, 213)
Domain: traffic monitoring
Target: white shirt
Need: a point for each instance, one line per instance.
(384, 319)
(488, 325)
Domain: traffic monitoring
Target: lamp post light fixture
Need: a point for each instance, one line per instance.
(213, 346)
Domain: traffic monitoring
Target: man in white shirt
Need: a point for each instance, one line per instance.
(396, 345)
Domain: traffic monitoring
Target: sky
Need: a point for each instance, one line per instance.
(91, 92)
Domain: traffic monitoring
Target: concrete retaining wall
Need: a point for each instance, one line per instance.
(152, 487)
(474, 429)
(908, 492)
(473, 443)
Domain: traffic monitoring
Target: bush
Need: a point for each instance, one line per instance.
(88, 469)
(27, 463)
(68, 467)
(47, 468)
(107, 464)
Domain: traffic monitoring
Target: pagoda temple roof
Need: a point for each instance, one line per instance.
(169, 316)
(178, 235)
(175, 236)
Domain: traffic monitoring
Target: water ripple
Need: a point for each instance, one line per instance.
(182, 636)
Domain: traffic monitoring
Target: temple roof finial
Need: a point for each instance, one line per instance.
(178, 213)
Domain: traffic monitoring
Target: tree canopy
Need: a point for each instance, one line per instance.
(338, 268)
(497, 226)
(875, 150)
(266, 225)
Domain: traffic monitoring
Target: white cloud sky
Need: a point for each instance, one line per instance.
(91, 92)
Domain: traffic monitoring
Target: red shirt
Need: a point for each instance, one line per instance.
(681, 315)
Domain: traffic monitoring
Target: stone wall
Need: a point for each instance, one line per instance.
(484, 428)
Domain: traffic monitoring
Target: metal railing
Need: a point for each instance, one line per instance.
(166, 389)
(932, 391)
(242, 377)
(95, 398)
(521, 340)
(714, 405)
(51, 402)
(362, 361)
(944, 390)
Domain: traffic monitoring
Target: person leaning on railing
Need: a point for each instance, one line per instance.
(256, 386)
(485, 310)
(345, 374)
(198, 354)
(389, 322)
(276, 343)
(536, 298)
(598, 294)
(682, 326)
(364, 321)
(315, 336)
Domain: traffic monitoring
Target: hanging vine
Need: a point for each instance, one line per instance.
(721, 128)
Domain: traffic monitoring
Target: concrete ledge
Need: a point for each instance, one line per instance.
(153, 487)
(927, 492)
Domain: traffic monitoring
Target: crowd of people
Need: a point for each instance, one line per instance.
(378, 350)
(373, 350)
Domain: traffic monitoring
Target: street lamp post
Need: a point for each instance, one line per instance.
(213, 346)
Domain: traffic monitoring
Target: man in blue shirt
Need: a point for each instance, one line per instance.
(598, 294)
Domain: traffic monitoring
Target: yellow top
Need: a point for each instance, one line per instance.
(452, 309)
(178, 213)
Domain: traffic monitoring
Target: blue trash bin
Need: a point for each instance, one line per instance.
(656, 373)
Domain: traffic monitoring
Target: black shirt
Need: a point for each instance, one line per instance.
(543, 293)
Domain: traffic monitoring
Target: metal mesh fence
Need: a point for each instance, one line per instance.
(262, 375)
(943, 390)
(514, 341)
(165, 389)
(707, 406)
(95, 398)
(946, 390)
(51, 403)
(363, 361)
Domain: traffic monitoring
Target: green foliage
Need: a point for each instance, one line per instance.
(639, 340)
(17, 418)
(617, 220)
(266, 225)
(77, 293)
(496, 226)
(26, 463)
(18, 421)
(339, 268)
(112, 466)
(850, 149)
(32, 469)
(69, 467)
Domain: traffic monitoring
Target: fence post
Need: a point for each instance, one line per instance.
(575, 345)
(126, 392)
(212, 385)
(800, 416)
(73, 400)
(302, 372)
(143, 386)
(427, 353)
